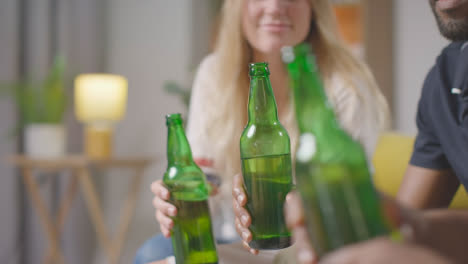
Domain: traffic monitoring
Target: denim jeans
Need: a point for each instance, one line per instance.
(155, 248)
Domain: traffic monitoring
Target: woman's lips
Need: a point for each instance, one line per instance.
(275, 28)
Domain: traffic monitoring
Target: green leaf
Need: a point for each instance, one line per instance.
(175, 89)
(42, 101)
(54, 97)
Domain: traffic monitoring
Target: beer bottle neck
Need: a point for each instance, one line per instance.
(262, 104)
(178, 148)
(313, 111)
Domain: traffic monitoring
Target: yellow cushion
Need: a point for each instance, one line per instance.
(390, 160)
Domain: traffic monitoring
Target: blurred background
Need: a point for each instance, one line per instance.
(151, 43)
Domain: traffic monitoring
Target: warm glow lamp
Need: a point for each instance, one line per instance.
(100, 101)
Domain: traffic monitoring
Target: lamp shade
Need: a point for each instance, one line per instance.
(100, 98)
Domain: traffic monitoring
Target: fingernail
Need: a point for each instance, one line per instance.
(252, 251)
(240, 198)
(172, 211)
(245, 235)
(165, 193)
(305, 256)
(244, 220)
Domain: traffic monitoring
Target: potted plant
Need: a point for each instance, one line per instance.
(41, 105)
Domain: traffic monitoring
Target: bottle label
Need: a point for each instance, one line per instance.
(307, 147)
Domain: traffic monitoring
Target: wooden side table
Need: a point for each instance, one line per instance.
(80, 167)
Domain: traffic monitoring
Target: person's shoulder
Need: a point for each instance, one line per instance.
(453, 46)
(445, 67)
(207, 68)
(208, 63)
(204, 82)
(348, 86)
(345, 94)
(441, 73)
(449, 53)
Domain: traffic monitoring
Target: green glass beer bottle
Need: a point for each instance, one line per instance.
(192, 235)
(266, 164)
(340, 203)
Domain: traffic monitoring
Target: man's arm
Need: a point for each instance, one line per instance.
(440, 237)
(384, 251)
(445, 231)
(423, 188)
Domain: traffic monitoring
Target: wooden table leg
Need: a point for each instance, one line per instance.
(44, 215)
(94, 206)
(65, 205)
(126, 215)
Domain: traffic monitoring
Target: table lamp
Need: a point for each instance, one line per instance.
(100, 101)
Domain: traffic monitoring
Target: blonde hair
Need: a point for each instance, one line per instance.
(233, 54)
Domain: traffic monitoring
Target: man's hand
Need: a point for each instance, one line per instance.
(384, 251)
(427, 234)
(305, 253)
(295, 221)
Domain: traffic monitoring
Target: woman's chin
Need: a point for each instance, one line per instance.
(272, 48)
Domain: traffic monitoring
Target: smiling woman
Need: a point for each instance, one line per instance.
(270, 25)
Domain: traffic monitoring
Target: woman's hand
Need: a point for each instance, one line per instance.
(242, 217)
(164, 210)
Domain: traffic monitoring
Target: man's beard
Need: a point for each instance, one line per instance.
(453, 29)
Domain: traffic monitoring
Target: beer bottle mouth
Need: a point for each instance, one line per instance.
(173, 119)
(259, 69)
(289, 53)
(302, 54)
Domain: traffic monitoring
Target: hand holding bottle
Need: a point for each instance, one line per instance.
(410, 224)
(385, 251)
(294, 214)
(242, 217)
(164, 209)
(266, 164)
(192, 235)
(295, 219)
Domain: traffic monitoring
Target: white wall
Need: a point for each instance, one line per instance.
(417, 43)
(149, 42)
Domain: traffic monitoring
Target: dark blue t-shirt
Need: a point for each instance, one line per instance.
(442, 117)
